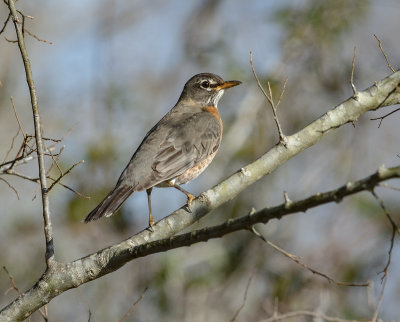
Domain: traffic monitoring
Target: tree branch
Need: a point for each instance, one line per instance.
(48, 230)
(74, 274)
(298, 260)
(246, 222)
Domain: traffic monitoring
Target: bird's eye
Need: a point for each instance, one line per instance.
(205, 84)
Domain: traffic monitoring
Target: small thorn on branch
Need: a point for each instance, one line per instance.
(288, 202)
(252, 211)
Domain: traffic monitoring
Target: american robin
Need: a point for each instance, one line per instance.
(177, 149)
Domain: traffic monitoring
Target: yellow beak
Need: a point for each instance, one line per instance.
(227, 84)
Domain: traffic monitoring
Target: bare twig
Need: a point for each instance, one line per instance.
(246, 290)
(282, 137)
(44, 313)
(385, 185)
(4, 167)
(133, 305)
(36, 180)
(48, 230)
(36, 190)
(13, 285)
(16, 116)
(24, 15)
(12, 172)
(298, 260)
(386, 268)
(388, 216)
(353, 64)
(378, 305)
(282, 92)
(55, 159)
(21, 152)
(5, 24)
(72, 190)
(37, 38)
(20, 129)
(47, 139)
(63, 137)
(384, 54)
(63, 175)
(382, 117)
(11, 187)
(52, 139)
(10, 40)
(11, 146)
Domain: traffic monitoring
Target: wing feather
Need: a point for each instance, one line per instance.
(186, 145)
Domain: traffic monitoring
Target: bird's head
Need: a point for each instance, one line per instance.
(206, 89)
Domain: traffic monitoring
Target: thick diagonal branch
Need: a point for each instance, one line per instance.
(48, 231)
(266, 214)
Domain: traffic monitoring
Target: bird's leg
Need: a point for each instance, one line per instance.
(189, 196)
(151, 220)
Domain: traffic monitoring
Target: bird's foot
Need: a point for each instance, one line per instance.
(151, 224)
(190, 199)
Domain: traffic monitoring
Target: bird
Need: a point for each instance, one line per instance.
(176, 150)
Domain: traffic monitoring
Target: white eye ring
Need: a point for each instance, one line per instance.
(205, 84)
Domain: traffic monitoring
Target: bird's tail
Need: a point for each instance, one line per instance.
(110, 204)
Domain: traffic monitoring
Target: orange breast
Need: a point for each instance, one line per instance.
(214, 111)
